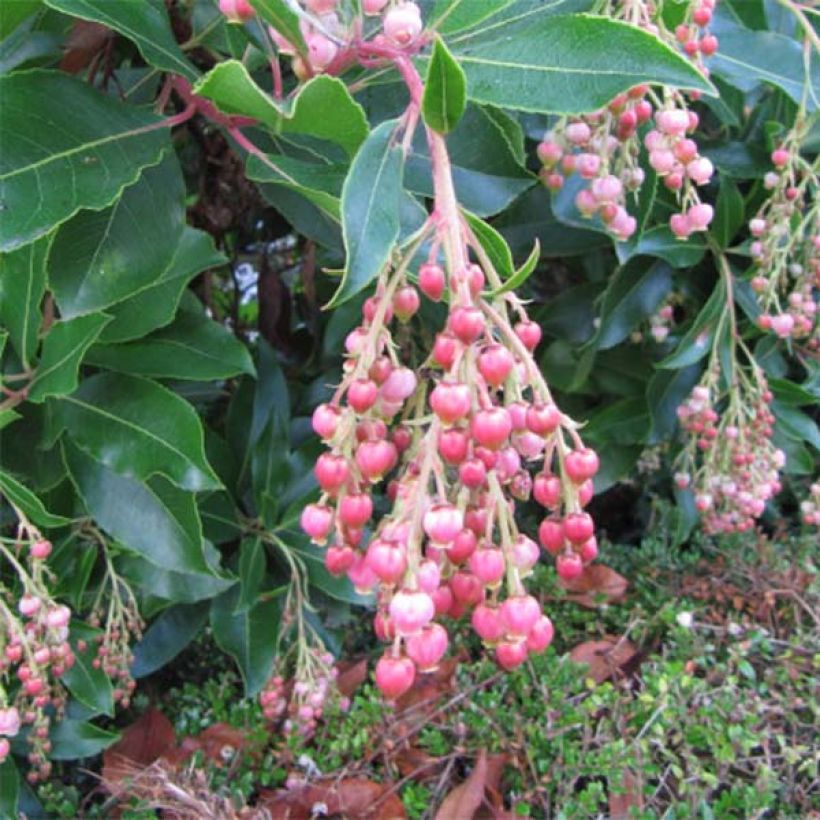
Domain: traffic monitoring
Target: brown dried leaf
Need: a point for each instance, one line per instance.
(606, 657)
(150, 737)
(86, 40)
(629, 797)
(465, 800)
(429, 688)
(597, 584)
(416, 763)
(351, 676)
(356, 798)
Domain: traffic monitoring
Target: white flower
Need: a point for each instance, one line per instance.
(685, 619)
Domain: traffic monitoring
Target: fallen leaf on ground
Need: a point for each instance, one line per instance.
(355, 798)
(605, 657)
(465, 799)
(597, 584)
(148, 738)
(628, 797)
(351, 676)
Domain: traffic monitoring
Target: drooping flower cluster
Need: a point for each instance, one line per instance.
(329, 36)
(34, 648)
(729, 461)
(457, 440)
(785, 246)
(300, 701)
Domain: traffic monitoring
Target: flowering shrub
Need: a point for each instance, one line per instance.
(188, 438)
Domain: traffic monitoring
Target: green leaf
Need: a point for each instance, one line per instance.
(698, 340)
(445, 90)
(63, 350)
(729, 213)
(665, 391)
(102, 257)
(72, 739)
(321, 184)
(566, 64)
(138, 428)
(7, 416)
(449, 16)
(28, 503)
(795, 424)
(156, 304)
(633, 293)
(156, 520)
(12, 14)
(252, 566)
(193, 347)
(370, 210)
(746, 59)
(494, 245)
(145, 23)
(92, 687)
(521, 274)
(167, 636)
(487, 171)
(279, 14)
(625, 421)
(9, 788)
(105, 149)
(795, 395)
(176, 587)
(249, 636)
(232, 89)
(22, 286)
(663, 244)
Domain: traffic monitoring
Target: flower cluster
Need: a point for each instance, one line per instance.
(456, 440)
(300, 701)
(810, 507)
(730, 462)
(785, 247)
(329, 38)
(34, 648)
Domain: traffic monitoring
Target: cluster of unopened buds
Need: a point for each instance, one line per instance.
(329, 39)
(810, 507)
(300, 702)
(661, 322)
(603, 148)
(34, 650)
(730, 462)
(458, 459)
(785, 247)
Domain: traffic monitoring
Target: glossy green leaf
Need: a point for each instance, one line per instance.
(625, 421)
(12, 14)
(63, 350)
(28, 503)
(565, 64)
(792, 394)
(249, 636)
(370, 210)
(660, 242)
(72, 739)
(105, 149)
(321, 184)
(167, 636)
(796, 424)
(450, 16)
(139, 428)
(445, 90)
(92, 687)
(102, 257)
(252, 566)
(493, 244)
(7, 416)
(232, 89)
(156, 520)
(729, 213)
(177, 587)
(22, 285)
(280, 15)
(633, 293)
(193, 347)
(487, 172)
(146, 23)
(521, 274)
(9, 788)
(746, 59)
(698, 340)
(665, 392)
(156, 304)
